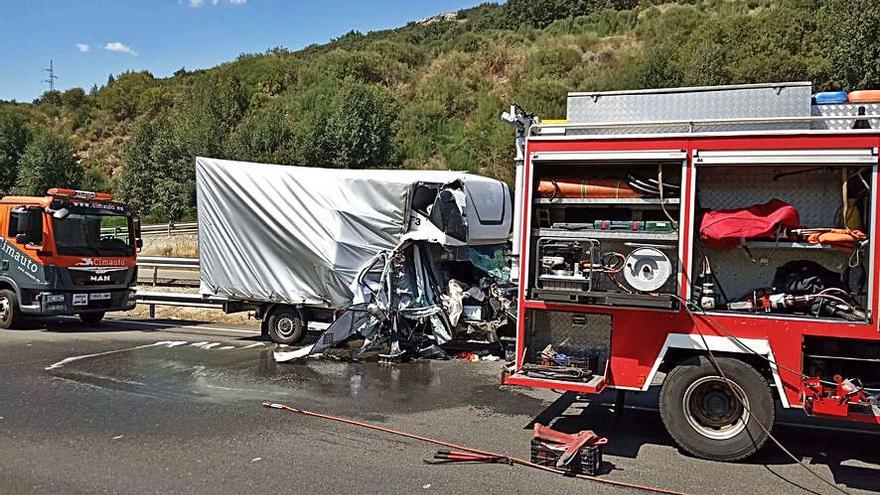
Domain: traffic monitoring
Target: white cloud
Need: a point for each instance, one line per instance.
(199, 3)
(120, 47)
(82, 47)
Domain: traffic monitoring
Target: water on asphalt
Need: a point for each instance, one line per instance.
(132, 409)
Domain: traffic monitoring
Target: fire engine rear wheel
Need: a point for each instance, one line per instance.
(712, 420)
(10, 313)
(286, 325)
(92, 318)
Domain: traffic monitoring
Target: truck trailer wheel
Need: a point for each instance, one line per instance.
(92, 318)
(704, 415)
(286, 325)
(10, 314)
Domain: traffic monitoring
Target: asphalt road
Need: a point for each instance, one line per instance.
(168, 408)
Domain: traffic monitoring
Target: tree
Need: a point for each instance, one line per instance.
(121, 96)
(73, 98)
(48, 161)
(264, 136)
(851, 29)
(361, 126)
(52, 97)
(13, 139)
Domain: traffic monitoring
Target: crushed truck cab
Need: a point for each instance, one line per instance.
(70, 252)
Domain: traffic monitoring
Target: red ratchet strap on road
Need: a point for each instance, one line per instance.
(513, 460)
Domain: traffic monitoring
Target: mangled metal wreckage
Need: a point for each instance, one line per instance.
(407, 260)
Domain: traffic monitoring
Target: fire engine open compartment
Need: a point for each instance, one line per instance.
(827, 358)
(605, 228)
(801, 268)
(567, 346)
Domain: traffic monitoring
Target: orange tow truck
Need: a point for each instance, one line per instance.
(70, 252)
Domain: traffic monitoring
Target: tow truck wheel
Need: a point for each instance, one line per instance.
(286, 325)
(10, 314)
(92, 318)
(711, 419)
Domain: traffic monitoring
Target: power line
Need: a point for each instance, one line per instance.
(51, 77)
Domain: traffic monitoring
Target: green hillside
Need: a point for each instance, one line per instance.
(426, 95)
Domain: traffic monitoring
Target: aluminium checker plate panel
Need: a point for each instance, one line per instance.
(844, 110)
(574, 332)
(687, 104)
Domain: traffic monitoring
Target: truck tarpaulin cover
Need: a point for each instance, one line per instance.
(300, 235)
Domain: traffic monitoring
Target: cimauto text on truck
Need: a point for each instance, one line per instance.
(68, 253)
(718, 243)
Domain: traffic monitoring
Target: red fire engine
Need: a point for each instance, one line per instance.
(720, 239)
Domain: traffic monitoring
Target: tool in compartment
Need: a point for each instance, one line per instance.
(829, 302)
(619, 225)
(566, 264)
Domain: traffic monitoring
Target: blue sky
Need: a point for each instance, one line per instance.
(89, 39)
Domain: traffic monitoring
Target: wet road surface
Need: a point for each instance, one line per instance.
(133, 407)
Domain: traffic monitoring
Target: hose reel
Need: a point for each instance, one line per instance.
(647, 269)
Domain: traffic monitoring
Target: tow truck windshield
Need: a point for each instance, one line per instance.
(84, 233)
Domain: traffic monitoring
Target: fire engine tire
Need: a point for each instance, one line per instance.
(91, 318)
(10, 313)
(706, 419)
(286, 325)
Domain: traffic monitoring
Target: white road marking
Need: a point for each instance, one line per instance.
(198, 344)
(226, 348)
(71, 359)
(211, 345)
(255, 344)
(170, 327)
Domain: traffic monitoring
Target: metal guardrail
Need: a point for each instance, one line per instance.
(161, 229)
(170, 228)
(153, 299)
(165, 262)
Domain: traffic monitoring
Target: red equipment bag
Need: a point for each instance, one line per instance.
(723, 229)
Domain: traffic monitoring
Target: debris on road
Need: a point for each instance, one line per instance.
(583, 436)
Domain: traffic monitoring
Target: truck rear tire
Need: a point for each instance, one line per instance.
(286, 325)
(92, 318)
(704, 416)
(10, 313)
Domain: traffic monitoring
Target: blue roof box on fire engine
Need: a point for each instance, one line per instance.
(829, 97)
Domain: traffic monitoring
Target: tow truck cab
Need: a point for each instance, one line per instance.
(70, 252)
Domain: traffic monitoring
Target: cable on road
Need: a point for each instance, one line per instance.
(688, 307)
(442, 443)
